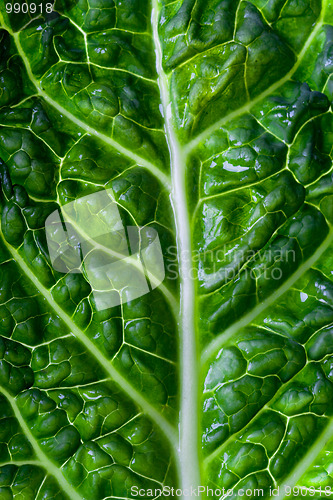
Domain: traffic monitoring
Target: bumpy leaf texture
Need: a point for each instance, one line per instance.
(207, 123)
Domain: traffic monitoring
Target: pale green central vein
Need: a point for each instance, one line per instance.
(305, 462)
(229, 333)
(189, 442)
(146, 407)
(43, 460)
(90, 130)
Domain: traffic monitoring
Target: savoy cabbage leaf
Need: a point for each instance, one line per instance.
(199, 134)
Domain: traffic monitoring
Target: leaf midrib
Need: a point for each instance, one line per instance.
(190, 146)
(189, 423)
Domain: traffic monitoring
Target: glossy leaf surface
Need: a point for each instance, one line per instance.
(207, 127)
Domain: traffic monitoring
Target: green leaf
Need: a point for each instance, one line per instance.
(166, 249)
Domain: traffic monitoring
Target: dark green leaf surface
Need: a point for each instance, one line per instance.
(210, 122)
